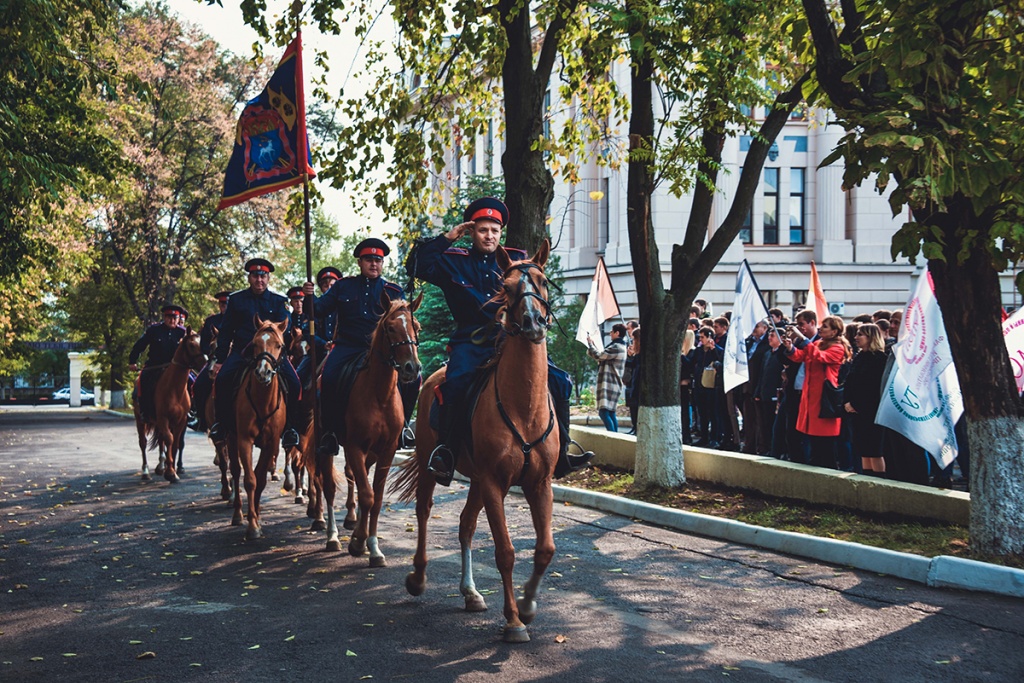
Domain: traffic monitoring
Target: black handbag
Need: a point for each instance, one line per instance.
(831, 401)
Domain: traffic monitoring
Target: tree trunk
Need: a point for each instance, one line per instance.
(529, 187)
(659, 442)
(969, 296)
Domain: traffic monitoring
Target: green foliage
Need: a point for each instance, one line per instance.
(49, 138)
(566, 352)
(932, 105)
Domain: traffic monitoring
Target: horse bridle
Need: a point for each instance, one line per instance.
(273, 361)
(408, 341)
(189, 357)
(513, 329)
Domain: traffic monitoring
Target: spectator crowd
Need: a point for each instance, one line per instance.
(813, 391)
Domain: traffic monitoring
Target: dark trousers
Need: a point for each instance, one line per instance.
(794, 439)
(684, 410)
(823, 450)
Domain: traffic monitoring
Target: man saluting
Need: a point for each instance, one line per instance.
(470, 279)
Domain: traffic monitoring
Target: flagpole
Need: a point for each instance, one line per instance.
(312, 317)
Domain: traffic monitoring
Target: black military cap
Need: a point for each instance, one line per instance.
(222, 296)
(487, 207)
(371, 246)
(295, 293)
(259, 265)
(174, 309)
(328, 271)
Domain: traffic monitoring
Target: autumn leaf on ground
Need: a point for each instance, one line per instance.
(349, 653)
(560, 638)
(146, 655)
(255, 647)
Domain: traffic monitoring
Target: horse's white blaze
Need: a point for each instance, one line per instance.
(265, 337)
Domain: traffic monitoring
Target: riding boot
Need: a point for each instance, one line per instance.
(442, 459)
(567, 462)
(328, 444)
(217, 434)
(290, 436)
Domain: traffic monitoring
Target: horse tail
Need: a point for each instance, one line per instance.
(154, 437)
(407, 481)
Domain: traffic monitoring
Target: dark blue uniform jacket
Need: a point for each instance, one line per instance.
(355, 303)
(239, 324)
(162, 342)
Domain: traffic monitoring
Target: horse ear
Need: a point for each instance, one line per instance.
(416, 303)
(541, 257)
(385, 301)
(256, 320)
(502, 258)
(188, 331)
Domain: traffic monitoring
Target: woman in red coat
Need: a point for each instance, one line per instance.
(821, 359)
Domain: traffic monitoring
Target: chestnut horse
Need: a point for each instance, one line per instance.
(296, 477)
(373, 423)
(511, 426)
(166, 429)
(259, 420)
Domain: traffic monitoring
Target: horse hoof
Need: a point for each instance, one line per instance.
(253, 533)
(378, 561)
(171, 477)
(159, 470)
(236, 520)
(225, 494)
(349, 524)
(356, 548)
(334, 546)
(516, 634)
(319, 525)
(475, 603)
(274, 477)
(145, 476)
(527, 610)
(299, 500)
(414, 584)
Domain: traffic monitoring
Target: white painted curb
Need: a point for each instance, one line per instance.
(939, 572)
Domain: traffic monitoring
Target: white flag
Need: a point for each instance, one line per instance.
(922, 399)
(747, 310)
(1013, 334)
(601, 305)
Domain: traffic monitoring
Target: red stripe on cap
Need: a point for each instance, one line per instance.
(487, 213)
(259, 269)
(371, 251)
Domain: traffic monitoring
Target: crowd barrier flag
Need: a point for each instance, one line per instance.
(601, 305)
(747, 310)
(922, 399)
(816, 296)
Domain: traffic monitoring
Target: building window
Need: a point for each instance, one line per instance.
(590, 227)
(746, 230)
(797, 206)
(771, 206)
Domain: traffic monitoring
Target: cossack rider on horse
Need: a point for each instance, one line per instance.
(236, 333)
(469, 279)
(159, 341)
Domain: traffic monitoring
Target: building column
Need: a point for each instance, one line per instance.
(77, 364)
(728, 178)
(830, 244)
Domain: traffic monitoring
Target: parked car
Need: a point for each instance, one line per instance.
(64, 394)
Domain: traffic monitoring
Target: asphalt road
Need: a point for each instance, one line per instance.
(106, 578)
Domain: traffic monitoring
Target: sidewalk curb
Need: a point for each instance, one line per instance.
(108, 411)
(943, 571)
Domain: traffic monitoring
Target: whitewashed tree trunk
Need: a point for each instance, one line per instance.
(117, 398)
(997, 485)
(659, 447)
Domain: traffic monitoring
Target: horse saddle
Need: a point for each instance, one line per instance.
(339, 398)
(145, 391)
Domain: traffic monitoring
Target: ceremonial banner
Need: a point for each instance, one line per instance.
(747, 310)
(601, 305)
(1013, 334)
(271, 149)
(922, 398)
(816, 296)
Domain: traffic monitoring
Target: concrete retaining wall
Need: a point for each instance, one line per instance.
(788, 480)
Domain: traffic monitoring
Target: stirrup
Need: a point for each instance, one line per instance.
(442, 464)
(328, 444)
(572, 462)
(290, 438)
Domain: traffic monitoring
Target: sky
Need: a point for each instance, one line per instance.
(225, 25)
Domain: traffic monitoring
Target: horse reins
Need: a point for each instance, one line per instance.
(408, 341)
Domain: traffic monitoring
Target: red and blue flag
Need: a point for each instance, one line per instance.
(271, 150)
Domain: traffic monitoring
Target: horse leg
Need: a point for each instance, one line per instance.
(261, 470)
(143, 444)
(289, 480)
(169, 446)
(236, 481)
(540, 501)
(245, 447)
(467, 528)
(416, 580)
(330, 490)
(221, 460)
(505, 557)
(380, 478)
(351, 518)
(161, 460)
(181, 449)
(356, 462)
(315, 506)
(301, 483)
